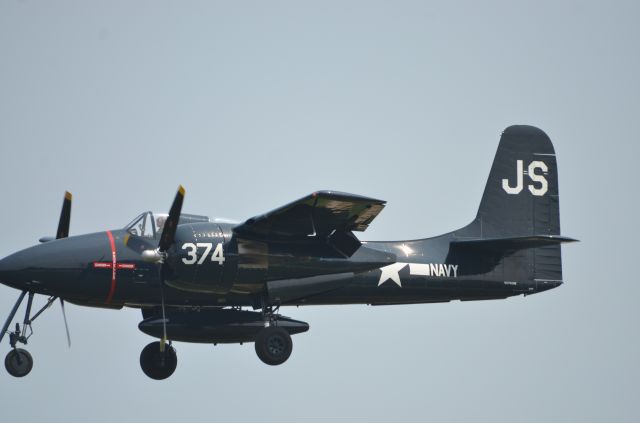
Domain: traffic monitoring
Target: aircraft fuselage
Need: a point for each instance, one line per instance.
(100, 270)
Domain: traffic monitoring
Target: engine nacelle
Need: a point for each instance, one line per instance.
(202, 259)
(215, 326)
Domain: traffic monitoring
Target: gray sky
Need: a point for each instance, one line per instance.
(253, 104)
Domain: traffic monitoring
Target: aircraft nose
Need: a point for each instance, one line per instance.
(51, 267)
(61, 267)
(10, 270)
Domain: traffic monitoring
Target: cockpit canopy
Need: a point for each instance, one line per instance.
(150, 224)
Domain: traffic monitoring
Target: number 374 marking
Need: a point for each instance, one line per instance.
(192, 252)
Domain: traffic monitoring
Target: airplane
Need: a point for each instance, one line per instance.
(202, 280)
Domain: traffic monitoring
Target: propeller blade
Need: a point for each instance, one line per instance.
(166, 239)
(66, 326)
(65, 217)
(163, 341)
(170, 225)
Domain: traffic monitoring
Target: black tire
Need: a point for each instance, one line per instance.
(273, 345)
(18, 362)
(158, 365)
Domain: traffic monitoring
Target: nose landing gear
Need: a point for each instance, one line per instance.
(18, 361)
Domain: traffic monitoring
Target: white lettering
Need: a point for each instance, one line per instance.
(192, 253)
(434, 269)
(518, 188)
(207, 246)
(540, 179)
(544, 186)
(218, 254)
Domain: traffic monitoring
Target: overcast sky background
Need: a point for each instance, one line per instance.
(253, 104)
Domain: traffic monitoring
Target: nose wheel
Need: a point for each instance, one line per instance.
(18, 362)
(158, 364)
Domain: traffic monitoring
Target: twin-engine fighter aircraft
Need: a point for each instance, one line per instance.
(192, 277)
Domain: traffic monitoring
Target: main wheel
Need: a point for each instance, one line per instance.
(18, 362)
(158, 365)
(273, 345)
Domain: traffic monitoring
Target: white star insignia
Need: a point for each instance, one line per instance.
(391, 272)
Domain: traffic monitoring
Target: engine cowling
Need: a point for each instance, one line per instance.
(202, 259)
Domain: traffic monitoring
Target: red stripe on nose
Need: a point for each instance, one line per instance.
(113, 267)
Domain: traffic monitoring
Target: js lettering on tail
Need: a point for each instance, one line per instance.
(539, 185)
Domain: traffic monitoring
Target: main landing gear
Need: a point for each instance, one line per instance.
(273, 344)
(270, 332)
(156, 363)
(18, 361)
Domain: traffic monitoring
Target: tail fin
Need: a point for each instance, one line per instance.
(518, 222)
(521, 196)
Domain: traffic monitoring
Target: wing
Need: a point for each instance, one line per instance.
(320, 214)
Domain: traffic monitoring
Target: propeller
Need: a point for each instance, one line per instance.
(63, 232)
(65, 217)
(171, 224)
(159, 255)
(66, 325)
(65, 220)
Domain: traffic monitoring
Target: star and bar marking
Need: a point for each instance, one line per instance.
(392, 271)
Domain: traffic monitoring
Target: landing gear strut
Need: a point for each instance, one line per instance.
(158, 360)
(18, 361)
(273, 344)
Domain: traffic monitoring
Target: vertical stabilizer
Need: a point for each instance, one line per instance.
(521, 195)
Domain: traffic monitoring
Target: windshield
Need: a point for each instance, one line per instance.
(150, 225)
(147, 224)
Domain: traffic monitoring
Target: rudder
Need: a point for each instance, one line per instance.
(521, 196)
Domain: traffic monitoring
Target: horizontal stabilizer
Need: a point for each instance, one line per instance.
(512, 243)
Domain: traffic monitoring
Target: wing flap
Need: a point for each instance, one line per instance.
(318, 214)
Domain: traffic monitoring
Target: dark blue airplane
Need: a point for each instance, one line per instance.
(196, 279)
